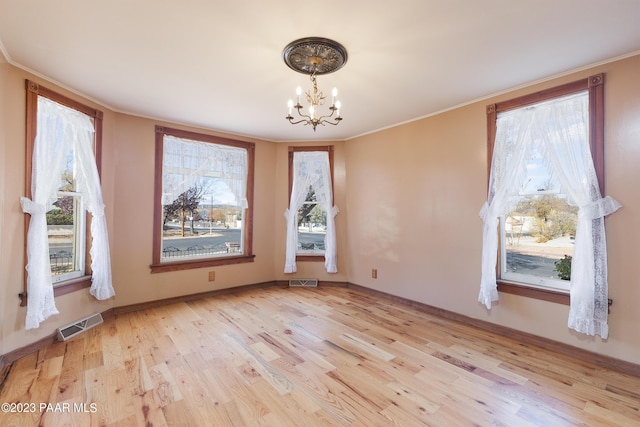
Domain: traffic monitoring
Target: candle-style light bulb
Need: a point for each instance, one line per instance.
(334, 93)
(311, 111)
(290, 105)
(298, 93)
(338, 105)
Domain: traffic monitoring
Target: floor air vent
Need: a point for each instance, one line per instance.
(73, 329)
(305, 283)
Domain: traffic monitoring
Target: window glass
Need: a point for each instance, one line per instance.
(537, 235)
(66, 240)
(202, 217)
(204, 202)
(66, 227)
(312, 226)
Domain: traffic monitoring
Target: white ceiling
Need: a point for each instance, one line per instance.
(218, 64)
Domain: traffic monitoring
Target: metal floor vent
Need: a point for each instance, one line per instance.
(73, 329)
(306, 283)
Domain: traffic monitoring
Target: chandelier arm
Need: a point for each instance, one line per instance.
(306, 116)
(303, 120)
(333, 110)
(321, 118)
(337, 121)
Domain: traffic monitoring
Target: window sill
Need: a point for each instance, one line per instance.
(309, 258)
(200, 263)
(62, 288)
(558, 297)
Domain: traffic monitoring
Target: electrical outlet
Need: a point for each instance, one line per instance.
(374, 273)
(212, 276)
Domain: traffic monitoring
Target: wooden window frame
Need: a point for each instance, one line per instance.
(159, 267)
(293, 149)
(33, 90)
(594, 85)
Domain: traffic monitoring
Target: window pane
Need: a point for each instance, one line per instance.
(68, 180)
(537, 236)
(65, 226)
(312, 226)
(202, 214)
(197, 224)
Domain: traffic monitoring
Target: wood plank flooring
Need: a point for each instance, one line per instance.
(306, 357)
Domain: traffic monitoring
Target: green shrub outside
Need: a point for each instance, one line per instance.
(563, 267)
(58, 218)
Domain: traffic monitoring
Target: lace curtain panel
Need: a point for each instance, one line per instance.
(311, 168)
(560, 129)
(59, 130)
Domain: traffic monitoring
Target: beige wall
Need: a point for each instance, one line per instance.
(414, 193)
(127, 182)
(133, 233)
(408, 197)
(4, 264)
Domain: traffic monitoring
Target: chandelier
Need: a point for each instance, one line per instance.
(314, 56)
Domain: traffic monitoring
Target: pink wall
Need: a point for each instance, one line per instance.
(414, 193)
(133, 233)
(408, 196)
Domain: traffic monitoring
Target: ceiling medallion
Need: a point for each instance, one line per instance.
(315, 56)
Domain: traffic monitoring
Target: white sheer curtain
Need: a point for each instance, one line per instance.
(187, 162)
(508, 173)
(60, 129)
(311, 168)
(561, 127)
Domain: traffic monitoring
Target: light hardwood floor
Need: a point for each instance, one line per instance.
(307, 357)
